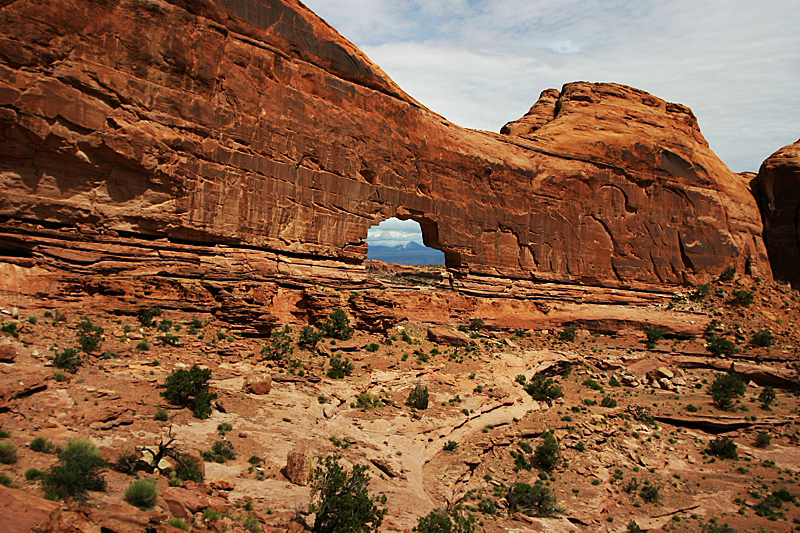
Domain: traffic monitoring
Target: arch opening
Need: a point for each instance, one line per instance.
(404, 241)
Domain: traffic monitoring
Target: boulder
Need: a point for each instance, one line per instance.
(8, 354)
(261, 384)
(21, 511)
(299, 466)
(441, 335)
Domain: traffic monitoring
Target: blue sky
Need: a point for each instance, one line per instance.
(482, 63)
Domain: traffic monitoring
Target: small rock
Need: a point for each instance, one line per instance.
(447, 336)
(222, 484)
(8, 354)
(299, 466)
(261, 384)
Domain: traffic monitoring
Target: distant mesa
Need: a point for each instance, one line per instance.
(406, 254)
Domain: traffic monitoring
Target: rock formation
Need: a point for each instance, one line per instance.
(778, 188)
(247, 140)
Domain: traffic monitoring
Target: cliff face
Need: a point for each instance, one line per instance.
(246, 139)
(777, 187)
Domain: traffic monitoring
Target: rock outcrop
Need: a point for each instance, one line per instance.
(246, 140)
(777, 187)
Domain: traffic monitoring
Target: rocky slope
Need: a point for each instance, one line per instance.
(231, 138)
(778, 188)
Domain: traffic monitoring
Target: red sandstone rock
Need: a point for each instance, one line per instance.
(778, 188)
(258, 384)
(20, 512)
(248, 140)
(447, 336)
(299, 465)
(8, 354)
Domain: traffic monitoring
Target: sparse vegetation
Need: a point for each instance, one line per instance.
(450, 446)
(729, 274)
(700, 293)
(742, 298)
(723, 447)
(337, 326)
(161, 415)
(309, 337)
(40, 444)
(77, 472)
(89, 336)
(189, 388)
(418, 397)
(341, 500)
(340, 367)
(68, 359)
(762, 439)
(8, 452)
(142, 493)
(279, 346)
(543, 389)
(221, 452)
(439, 521)
(762, 338)
(767, 396)
(548, 453)
(532, 500)
(720, 346)
(147, 315)
(725, 388)
(568, 334)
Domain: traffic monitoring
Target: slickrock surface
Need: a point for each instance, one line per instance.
(246, 139)
(778, 188)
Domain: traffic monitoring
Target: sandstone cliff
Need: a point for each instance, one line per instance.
(246, 139)
(778, 188)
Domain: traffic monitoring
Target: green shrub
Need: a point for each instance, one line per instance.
(309, 337)
(339, 368)
(32, 474)
(418, 397)
(147, 315)
(89, 335)
(251, 524)
(187, 469)
(614, 382)
(608, 402)
(581, 447)
(725, 388)
(279, 347)
(531, 500)
(4, 434)
(723, 447)
(7, 481)
(40, 444)
(143, 346)
(650, 494)
(337, 326)
(178, 523)
(142, 493)
(543, 389)
(165, 325)
(767, 396)
(450, 446)
(221, 452)
(161, 415)
(633, 527)
(692, 408)
(700, 293)
(568, 334)
(32, 320)
(367, 401)
(720, 346)
(439, 521)
(189, 388)
(68, 360)
(716, 528)
(211, 515)
(476, 324)
(743, 298)
(8, 452)
(59, 377)
(170, 340)
(654, 334)
(372, 348)
(547, 454)
(341, 499)
(729, 274)
(223, 428)
(763, 439)
(592, 384)
(10, 328)
(762, 338)
(77, 473)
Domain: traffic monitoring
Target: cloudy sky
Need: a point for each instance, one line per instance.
(394, 232)
(482, 63)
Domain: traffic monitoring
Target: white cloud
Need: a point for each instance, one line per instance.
(481, 63)
(394, 232)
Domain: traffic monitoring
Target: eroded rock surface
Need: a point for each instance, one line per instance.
(778, 188)
(246, 140)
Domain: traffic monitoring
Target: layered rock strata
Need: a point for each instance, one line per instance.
(252, 133)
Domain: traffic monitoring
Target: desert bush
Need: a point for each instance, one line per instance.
(161, 415)
(608, 402)
(10, 328)
(89, 335)
(279, 346)
(722, 447)
(251, 524)
(4, 434)
(189, 388)
(633, 527)
(142, 494)
(592, 384)
(178, 523)
(762, 439)
(720, 346)
(772, 502)
(418, 397)
(531, 499)
(700, 293)
(32, 474)
(143, 345)
(729, 274)
(450, 446)
(762, 338)
(187, 469)
(548, 453)
(367, 401)
(77, 472)
(40, 444)
(767, 396)
(725, 388)
(439, 521)
(650, 494)
(7, 481)
(223, 428)
(170, 340)
(476, 324)
(8, 452)
(339, 367)
(341, 499)
(654, 334)
(309, 337)
(542, 389)
(68, 360)
(147, 315)
(712, 527)
(614, 382)
(221, 452)
(337, 326)
(372, 348)
(568, 334)
(743, 298)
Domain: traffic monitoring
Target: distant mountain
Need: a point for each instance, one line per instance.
(406, 254)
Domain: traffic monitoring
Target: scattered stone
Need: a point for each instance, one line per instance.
(299, 466)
